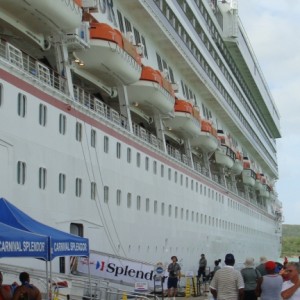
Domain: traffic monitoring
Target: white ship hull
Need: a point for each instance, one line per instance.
(77, 159)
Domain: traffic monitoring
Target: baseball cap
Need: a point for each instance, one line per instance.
(270, 265)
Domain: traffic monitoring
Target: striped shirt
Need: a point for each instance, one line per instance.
(227, 282)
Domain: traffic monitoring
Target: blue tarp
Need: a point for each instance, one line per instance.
(19, 243)
(61, 243)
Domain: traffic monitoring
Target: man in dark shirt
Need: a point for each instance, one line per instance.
(174, 276)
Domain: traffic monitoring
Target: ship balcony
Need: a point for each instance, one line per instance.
(237, 167)
(207, 140)
(152, 93)
(44, 17)
(249, 176)
(265, 191)
(110, 57)
(186, 121)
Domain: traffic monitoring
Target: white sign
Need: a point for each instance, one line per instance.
(116, 269)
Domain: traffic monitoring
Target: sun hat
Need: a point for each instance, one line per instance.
(263, 259)
(249, 262)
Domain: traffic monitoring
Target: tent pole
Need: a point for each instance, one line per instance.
(51, 280)
(90, 279)
(47, 280)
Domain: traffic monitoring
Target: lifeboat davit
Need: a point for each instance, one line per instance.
(237, 167)
(186, 121)
(44, 16)
(248, 175)
(152, 92)
(207, 139)
(111, 56)
(224, 155)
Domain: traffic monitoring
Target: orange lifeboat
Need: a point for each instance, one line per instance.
(110, 56)
(207, 140)
(152, 92)
(248, 174)
(237, 167)
(186, 121)
(224, 155)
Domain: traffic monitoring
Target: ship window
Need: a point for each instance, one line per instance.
(175, 176)
(106, 194)
(197, 217)
(147, 204)
(62, 124)
(176, 212)
(171, 75)
(208, 192)
(127, 25)
(205, 219)
(118, 145)
(129, 155)
(201, 219)
(146, 163)
(78, 131)
(138, 159)
(136, 36)
(170, 210)
(138, 202)
(204, 191)
(21, 172)
(192, 184)
(200, 188)
(42, 114)
(106, 144)
(78, 187)
(128, 200)
(154, 167)
(187, 214)
(62, 264)
(197, 186)
(93, 190)
(162, 169)
(22, 101)
(162, 208)
(62, 183)
(120, 19)
(186, 182)
(159, 63)
(181, 213)
(42, 178)
(93, 138)
(193, 216)
(169, 173)
(1, 93)
(119, 197)
(155, 206)
(145, 47)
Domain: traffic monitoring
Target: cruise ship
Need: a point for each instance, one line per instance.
(145, 126)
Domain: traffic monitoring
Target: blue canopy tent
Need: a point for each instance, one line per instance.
(60, 243)
(19, 243)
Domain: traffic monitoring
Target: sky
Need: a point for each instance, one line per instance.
(272, 27)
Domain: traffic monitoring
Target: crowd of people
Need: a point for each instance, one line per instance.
(24, 291)
(267, 281)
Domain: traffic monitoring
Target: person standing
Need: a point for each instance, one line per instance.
(250, 276)
(227, 283)
(174, 276)
(261, 266)
(5, 290)
(202, 267)
(269, 286)
(26, 291)
(291, 287)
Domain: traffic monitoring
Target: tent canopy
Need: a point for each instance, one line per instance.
(60, 243)
(18, 243)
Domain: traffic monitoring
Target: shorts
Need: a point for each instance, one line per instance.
(172, 282)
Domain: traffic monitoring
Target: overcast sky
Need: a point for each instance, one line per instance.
(273, 29)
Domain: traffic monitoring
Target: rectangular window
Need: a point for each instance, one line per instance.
(42, 178)
(170, 210)
(120, 19)
(146, 163)
(138, 159)
(159, 63)
(118, 150)
(181, 179)
(21, 172)
(162, 170)
(42, 114)
(106, 144)
(128, 200)
(78, 131)
(136, 36)
(169, 174)
(147, 204)
(93, 138)
(62, 183)
(106, 194)
(22, 101)
(129, 155)
(154, 167)
(145, 47)
(62, 124)
(93, 190)
(162, 209)
(155, 207)
(181, 213)
(176, 212)
(127, 25)
(138, 202)
(78, 187)
(119, 197)
(175, 176)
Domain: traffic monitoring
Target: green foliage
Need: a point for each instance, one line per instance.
(290, 240)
